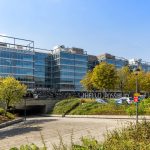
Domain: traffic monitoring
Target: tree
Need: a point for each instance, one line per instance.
(123, 74)
(146, 82)
(87, 81)
(104, 76)
(11, 91)
(131, 82)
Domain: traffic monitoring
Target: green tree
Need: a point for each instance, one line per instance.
(123, 74)
(131, 82)
(11, 91)
(87, 81)
(146, 83)
(104, 76)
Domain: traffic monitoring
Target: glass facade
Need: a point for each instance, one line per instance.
(17, 63)
(145, 66)
(60, 70)
(110, 59)
(92, 62)
(135, 63)
(68, 70)
(42, 73)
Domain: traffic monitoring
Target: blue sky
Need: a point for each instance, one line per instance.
(119, 27)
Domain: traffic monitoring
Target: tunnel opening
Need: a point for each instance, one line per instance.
(30, 110)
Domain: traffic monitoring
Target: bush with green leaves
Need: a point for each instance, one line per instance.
(10, 115)
(28, 147)
(133, 137)
(2, 111)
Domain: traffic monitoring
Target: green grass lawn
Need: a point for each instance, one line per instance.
(77, 106)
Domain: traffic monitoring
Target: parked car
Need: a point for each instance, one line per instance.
(120, 101)
(128, 99)
(124, 100)
(99, 100)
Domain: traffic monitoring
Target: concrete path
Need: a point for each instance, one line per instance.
(51, 128)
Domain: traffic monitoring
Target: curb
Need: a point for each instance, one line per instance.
(8, 123)
(98, 116)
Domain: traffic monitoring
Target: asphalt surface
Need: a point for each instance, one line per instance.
(52, 129)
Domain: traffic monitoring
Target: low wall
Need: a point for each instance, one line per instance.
(48, 103)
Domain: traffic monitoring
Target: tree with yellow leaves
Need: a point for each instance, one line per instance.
(11, 91)
(104, 77)
(87, 81)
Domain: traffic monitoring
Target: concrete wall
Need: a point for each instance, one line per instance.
(48, 103)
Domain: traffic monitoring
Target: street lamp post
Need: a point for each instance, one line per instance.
(136, 73)
(137, 102)
(25, 110)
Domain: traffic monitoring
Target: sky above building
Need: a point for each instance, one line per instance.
(119, 27)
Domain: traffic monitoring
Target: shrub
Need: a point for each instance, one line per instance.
(28, 147)
(131, 110)
(131, 137)
(88, 144)
(10, 115)
(2, 111)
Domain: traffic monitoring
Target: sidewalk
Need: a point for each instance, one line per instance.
(100, 116)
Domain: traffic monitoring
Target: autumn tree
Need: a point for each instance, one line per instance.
(131, 81)
(11, 91)
(87, 81)
(123, 74)
(146, 82)
(104, 76)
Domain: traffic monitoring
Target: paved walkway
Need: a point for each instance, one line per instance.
(51, 128)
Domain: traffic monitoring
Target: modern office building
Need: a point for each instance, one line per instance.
(60, 69)
(119, 62)
(69, 67)
(18, 61)
(92, 62)
(27, 64)
(135, 63)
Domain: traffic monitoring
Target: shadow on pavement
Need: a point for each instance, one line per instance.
(38, 121)
(28, 126)
(17, 131)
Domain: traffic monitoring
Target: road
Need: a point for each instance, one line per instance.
(53, 128)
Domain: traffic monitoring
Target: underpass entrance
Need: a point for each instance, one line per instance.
(31, 110)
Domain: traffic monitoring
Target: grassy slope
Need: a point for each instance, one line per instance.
(65, 106)
(76, 106)
(95, 108)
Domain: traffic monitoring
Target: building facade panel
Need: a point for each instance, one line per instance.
(118, 62)
(60, 70)
(17, 63)
(43, 70)
(69, 65)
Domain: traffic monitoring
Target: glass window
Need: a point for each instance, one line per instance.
(66, 55)
(81, 57)
(67, 62)
(81, 63)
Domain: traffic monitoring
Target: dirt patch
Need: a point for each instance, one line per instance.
(3, 119)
